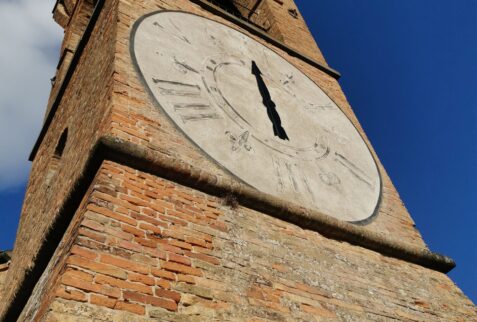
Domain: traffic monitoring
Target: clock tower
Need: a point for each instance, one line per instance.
(198, 161)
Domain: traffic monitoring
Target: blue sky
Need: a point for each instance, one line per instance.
(408, 70)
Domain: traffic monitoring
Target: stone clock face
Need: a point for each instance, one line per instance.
(255, 114)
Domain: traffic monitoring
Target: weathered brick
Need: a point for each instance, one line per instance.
(79, 274)
(102, 300)
(133, 246)
(144, 279)
(164, 283)
(203, 257)
(167, 294)
(108, 213)
(71, 294)
(133, 230)
(178, 268)
(146, 242)
(90, 287)
(123, 263)
(154, 252)
(178, 259)
(180, 244)
(103, 279)
(84, 252)
(152, 228)
(131, 307)
(92, 225)
(97, 267)
(186, 278)
(163, 274)
(101, 238)
(317, 311)
(164, 303)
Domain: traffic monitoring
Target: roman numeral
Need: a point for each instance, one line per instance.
(186, 100)
(291, 177)
(176, 88)
(354, 170)
(190, 112)
(316, 107)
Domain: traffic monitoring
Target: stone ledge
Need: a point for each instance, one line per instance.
(139, 157)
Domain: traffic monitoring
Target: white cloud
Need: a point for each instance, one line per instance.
(29, 42)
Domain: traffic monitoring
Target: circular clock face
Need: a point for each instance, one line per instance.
(255, 114)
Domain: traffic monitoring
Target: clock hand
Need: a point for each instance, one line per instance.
(272, 113)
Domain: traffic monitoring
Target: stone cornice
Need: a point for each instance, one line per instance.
(144, 159)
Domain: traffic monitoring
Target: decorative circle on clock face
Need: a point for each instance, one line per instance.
(256, 114)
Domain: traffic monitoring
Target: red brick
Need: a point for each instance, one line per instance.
(92, 225)
(164, 283)
(202, 250)
(122, 210)
(70, 294)
(174, 233)
(151, 194)
(173, 220)
(146, 242)
(164, 245)
(154, 252)
(178, 259)
(115, 200)
(129, 245)
(133, 200)
(133, 296)
(91, 244)
(147, 219)
(108, 213)
(147, 299)
(168, 294)
(79, 274)
(144, 279)
(219, 225)
(119, 233)
(186, 278)
(164, 303)
(182, 215)
(196, 241)
(102, 300)
(102, 279)
(178, 268)
(83, 252)
(180, 244)
(91, 234)
(131, 307)
(123, 263)
(149, 211)
(203, 257)
(136, 187)
(133, 230)
(162, 273)
(153, 228)
(97, 267)
(90, 287)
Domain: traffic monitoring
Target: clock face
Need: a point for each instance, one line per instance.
(255, 114)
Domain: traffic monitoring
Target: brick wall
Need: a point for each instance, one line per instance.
(146, 248)
(82, 110)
